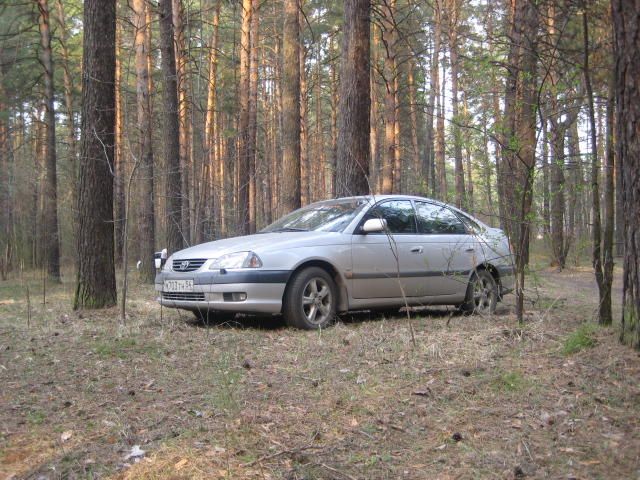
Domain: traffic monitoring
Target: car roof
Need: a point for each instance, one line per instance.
(377, 197)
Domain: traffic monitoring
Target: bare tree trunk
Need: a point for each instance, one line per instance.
(627, 44)
(145, 150)
(453, 11)
(520, 123)
(69, 110)
(439, 139)
(244, 150)
(52, 240)
(96, 281)
(334, 124)
(184, 125)
(212, 197)
(355, 101)
(120, 163)
(253, 116)
(172, 129)
(417, 172)
(305, 170)
(291, 188)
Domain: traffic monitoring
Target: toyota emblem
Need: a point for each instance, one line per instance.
(184, 265)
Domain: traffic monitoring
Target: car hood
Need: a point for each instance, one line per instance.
(261, 242)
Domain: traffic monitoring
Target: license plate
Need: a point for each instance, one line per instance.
(178, 286)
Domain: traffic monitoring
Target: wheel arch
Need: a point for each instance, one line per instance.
(343, 295)
(489, 267)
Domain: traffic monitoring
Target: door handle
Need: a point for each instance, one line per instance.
(470, 250)
(416, 250)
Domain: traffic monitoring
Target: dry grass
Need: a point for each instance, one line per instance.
(477, 397)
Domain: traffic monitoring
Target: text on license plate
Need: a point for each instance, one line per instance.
(178, 286)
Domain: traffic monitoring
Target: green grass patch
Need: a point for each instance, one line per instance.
(510, 382)
(581, 339)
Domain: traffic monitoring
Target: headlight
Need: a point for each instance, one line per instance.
(168, 264)
(236, 260)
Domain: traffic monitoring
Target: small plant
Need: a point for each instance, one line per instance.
(509, 382)
(583, 337)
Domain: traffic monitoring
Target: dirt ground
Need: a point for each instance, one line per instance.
(163, 397)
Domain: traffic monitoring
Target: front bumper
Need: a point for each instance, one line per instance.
(264, 290)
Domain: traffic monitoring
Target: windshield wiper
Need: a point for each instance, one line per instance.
(287, 229)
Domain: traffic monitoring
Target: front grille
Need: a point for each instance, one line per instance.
(188, 264)
(184, 296)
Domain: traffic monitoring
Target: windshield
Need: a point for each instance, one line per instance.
(331, 216)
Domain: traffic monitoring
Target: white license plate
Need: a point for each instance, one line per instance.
(178, 286)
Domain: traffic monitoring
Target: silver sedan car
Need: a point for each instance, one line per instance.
(356, 253)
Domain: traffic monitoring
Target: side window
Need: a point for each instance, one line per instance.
(437, 219)
(399, 214)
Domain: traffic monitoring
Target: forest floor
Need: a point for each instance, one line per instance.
(82, 396)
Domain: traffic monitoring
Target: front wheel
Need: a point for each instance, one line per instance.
(310, 299)
(482, 294)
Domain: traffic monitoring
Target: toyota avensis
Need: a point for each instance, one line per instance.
(357, 253)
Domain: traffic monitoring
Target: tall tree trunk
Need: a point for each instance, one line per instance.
(627, 43)
(557, 194)
(291, 188)
(96, 280)
(212, 197)
(69, 110)
(184, 123)
(390, 172)
(6, 187)
(334, 122)
(439, 153)
(608, 211)
(119, 160)
(244, 152)
(305, 170)
(52, 240)
(417, 183)
(253, 116)
(173, 191)
(355, 101)
(519, 129)
(146, 223)
(453, 12)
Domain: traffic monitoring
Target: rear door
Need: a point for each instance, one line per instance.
(450, 250)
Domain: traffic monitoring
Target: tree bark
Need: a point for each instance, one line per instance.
(146, 223)
(291, 184)
(519, 127)
(96, 282)
(52, 239)
(173, 191)
(453, 12)
(354, 101)
(627, 44)
(184, 123)
(244, 152)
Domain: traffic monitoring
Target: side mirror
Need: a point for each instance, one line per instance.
(160, 258)
(374, 225)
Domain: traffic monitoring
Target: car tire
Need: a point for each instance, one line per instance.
(214, 317)
(482, 294)
(310, 299)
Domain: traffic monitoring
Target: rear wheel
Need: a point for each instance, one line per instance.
(310, 299)
(482, 294)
